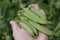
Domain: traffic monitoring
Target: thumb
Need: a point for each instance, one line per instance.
(14, 26)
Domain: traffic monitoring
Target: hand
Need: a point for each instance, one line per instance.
(21, 34)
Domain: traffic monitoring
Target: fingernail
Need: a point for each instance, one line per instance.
(12, 22)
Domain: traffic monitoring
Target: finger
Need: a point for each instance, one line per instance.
(43, 36)
(14, 25)
(42, 12)
(36, 6)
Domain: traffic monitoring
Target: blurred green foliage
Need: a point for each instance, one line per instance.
(9, 8)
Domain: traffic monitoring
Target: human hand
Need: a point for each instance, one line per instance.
(21, 34)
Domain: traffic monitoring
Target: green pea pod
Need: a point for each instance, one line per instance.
(41, 28)
(37, 12)
(33, 16)
(32, 28)
(26, 27)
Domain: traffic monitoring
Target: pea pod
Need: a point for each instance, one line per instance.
(26, 27)
(33, 16)
(32, 28)
(41, 28)
(37, 12)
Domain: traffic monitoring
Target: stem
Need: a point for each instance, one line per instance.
(21, 4)
(51, 9)
(58, 27)
(58, 32)
(1, 14)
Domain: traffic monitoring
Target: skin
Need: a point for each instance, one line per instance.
(21, 34)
